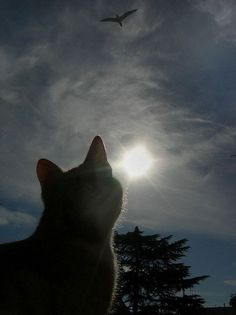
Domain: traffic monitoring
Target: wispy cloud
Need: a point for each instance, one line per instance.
(18, 218)
(230, 282)
(156, 80)
(223, 13)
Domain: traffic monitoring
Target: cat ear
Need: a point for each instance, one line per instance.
(97, 152)
(45, 169)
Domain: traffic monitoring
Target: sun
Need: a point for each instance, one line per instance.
(137, 161)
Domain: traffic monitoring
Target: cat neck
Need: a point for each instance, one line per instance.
(52, 233)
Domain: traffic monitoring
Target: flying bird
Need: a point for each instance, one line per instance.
(118, 19)
(233, 155)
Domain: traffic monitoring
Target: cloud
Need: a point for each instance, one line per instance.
(223, 13)
(17, 218)
(230, 282)
(156, 80)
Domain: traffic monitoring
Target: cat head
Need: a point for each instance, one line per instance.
(85, 200)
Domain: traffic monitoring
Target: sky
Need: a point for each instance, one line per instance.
(166, 79)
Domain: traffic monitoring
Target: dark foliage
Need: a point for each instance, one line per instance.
(232, 301)
(152, 280)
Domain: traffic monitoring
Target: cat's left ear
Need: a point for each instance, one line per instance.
(47, 169)
(97, 152)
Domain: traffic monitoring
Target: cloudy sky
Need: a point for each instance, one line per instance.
(165, 79)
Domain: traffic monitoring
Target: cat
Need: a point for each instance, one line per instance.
(67, 266)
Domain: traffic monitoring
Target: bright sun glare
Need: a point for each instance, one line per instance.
(136, 162)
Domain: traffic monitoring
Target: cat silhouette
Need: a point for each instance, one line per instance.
(67, 266)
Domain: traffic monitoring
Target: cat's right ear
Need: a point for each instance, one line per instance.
(47, 169)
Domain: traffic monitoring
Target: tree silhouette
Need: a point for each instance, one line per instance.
(232, 301)
(152, 281)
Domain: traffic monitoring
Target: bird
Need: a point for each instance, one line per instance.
(233, 155)
(118, 19)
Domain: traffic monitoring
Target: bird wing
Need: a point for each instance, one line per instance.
(109, 20)
(123, 16)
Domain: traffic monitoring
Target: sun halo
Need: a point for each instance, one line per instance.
(136, 162)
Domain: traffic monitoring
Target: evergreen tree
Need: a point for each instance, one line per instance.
(152, 280)
(232, 301)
